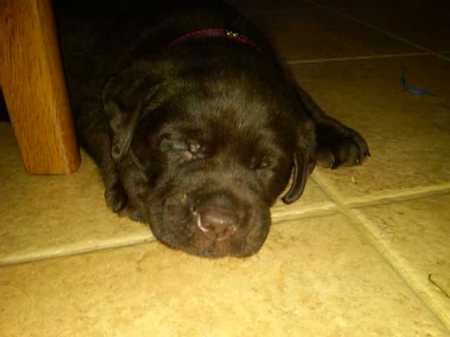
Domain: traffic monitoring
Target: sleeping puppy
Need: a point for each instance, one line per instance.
(195, 124)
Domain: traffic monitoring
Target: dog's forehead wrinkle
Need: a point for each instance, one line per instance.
(231, 82)
(239, 101)
(231, 122)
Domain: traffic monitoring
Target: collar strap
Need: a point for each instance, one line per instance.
(215, 32)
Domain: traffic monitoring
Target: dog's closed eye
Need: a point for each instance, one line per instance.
(260, 162)
(187, 149)
(169, 143)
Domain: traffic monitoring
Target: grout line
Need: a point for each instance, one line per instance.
(354, 58)
(426, 51)
(364, 226)
(402, 268)
(321, 209)
(68, 252)
(384, 198)
(397, 196)
(376, 28)
(282, 221)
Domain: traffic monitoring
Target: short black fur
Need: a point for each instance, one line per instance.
(198, 139)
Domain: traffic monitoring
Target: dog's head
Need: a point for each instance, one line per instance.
(216, 148)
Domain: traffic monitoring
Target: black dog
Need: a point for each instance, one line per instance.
(196, 126)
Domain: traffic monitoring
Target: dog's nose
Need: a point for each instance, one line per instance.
(217, 222)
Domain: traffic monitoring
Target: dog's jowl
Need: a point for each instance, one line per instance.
(195, 124)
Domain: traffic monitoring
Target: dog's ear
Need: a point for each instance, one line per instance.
(127, 96)
(298, 179)
(303, 163)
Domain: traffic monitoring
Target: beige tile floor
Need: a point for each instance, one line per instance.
(365, 252)
(421, 22)
(327, 34)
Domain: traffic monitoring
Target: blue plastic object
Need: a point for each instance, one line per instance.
(413, 89)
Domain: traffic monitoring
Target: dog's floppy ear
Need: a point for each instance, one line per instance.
(126, 96)
(298, 179)
(303, 163)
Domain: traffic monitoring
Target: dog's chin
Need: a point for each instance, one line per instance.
(195, 244)
(235, 248)
(218, 251)
(207, 249)
(177, 232)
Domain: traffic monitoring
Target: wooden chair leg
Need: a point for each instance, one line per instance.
(33, 86)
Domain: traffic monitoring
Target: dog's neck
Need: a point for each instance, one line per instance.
(214, 32)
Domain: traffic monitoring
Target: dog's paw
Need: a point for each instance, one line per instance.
(341, 147)
(133, 213)
(116, 197)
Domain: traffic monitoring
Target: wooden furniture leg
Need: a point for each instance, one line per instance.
(33, 86)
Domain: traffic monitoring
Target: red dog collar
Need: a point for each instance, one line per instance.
(215, 32)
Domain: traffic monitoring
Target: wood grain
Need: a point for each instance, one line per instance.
(33, 85)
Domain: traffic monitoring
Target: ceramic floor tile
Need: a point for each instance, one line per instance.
(416, 234)
(315, 33)
(51, 215)
(408, 135)
(426, 23)
(252, 6)
(314, 278)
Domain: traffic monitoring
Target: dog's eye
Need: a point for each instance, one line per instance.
(265, 163)
(185, 149)
(260, 163)
(170, 144)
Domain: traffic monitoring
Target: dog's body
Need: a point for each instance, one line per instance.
(195, 124)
